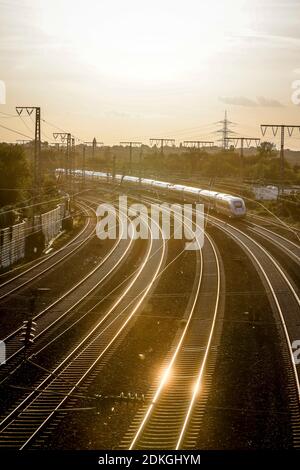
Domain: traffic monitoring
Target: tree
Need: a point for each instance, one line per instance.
(14, 173)
(267, 150)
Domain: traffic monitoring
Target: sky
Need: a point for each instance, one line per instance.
(139, 69)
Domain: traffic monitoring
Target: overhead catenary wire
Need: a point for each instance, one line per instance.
(42, 131)
(173, 132)
(62, 130)
(16, 132)
(34, 205)
(10, 116)
(7, 115)
(25, 123)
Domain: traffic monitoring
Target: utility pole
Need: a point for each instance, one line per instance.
(94, 144)
(275, 128)
(140, 166)
(83, 166)
(73, 164)
(65, 137)
(37, 146)
(197, 143)
(131, 144)
(162, 143)
(242, 141)
(113, 168)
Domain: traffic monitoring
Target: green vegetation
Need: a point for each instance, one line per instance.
(262, 164)
(205, 166)
(16, 184)
(14, 174)
(287, 209)
(14, 181)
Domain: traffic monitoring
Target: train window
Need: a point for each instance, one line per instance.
(238, 204)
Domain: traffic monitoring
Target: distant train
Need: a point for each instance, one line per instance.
(221, 203)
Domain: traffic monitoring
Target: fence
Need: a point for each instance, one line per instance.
(12, 243)
(51, 222)
(12, 239)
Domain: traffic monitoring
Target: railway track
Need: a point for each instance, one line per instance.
(174, 405)
(285, 303)
(44, 265)
(289, 247)
(268, 221)
(283, 297)
(62, 307)
(173, 410)
(25, 423)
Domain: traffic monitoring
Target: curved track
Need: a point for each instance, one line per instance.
(60, 308)
(164, 421)
(171, 416)
(287, 246)
(42, 266)
(21, 427)
(285, 302)
(283, 297)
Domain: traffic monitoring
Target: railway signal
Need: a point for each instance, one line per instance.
(29, 325)
(2, 352)
(28, 333)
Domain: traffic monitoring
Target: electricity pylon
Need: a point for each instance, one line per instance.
(225, 131)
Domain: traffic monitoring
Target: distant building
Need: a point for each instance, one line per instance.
(265, 193)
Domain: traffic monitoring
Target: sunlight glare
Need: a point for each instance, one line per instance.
(144, 41)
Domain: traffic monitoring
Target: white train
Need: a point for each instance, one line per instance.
(221, 203)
